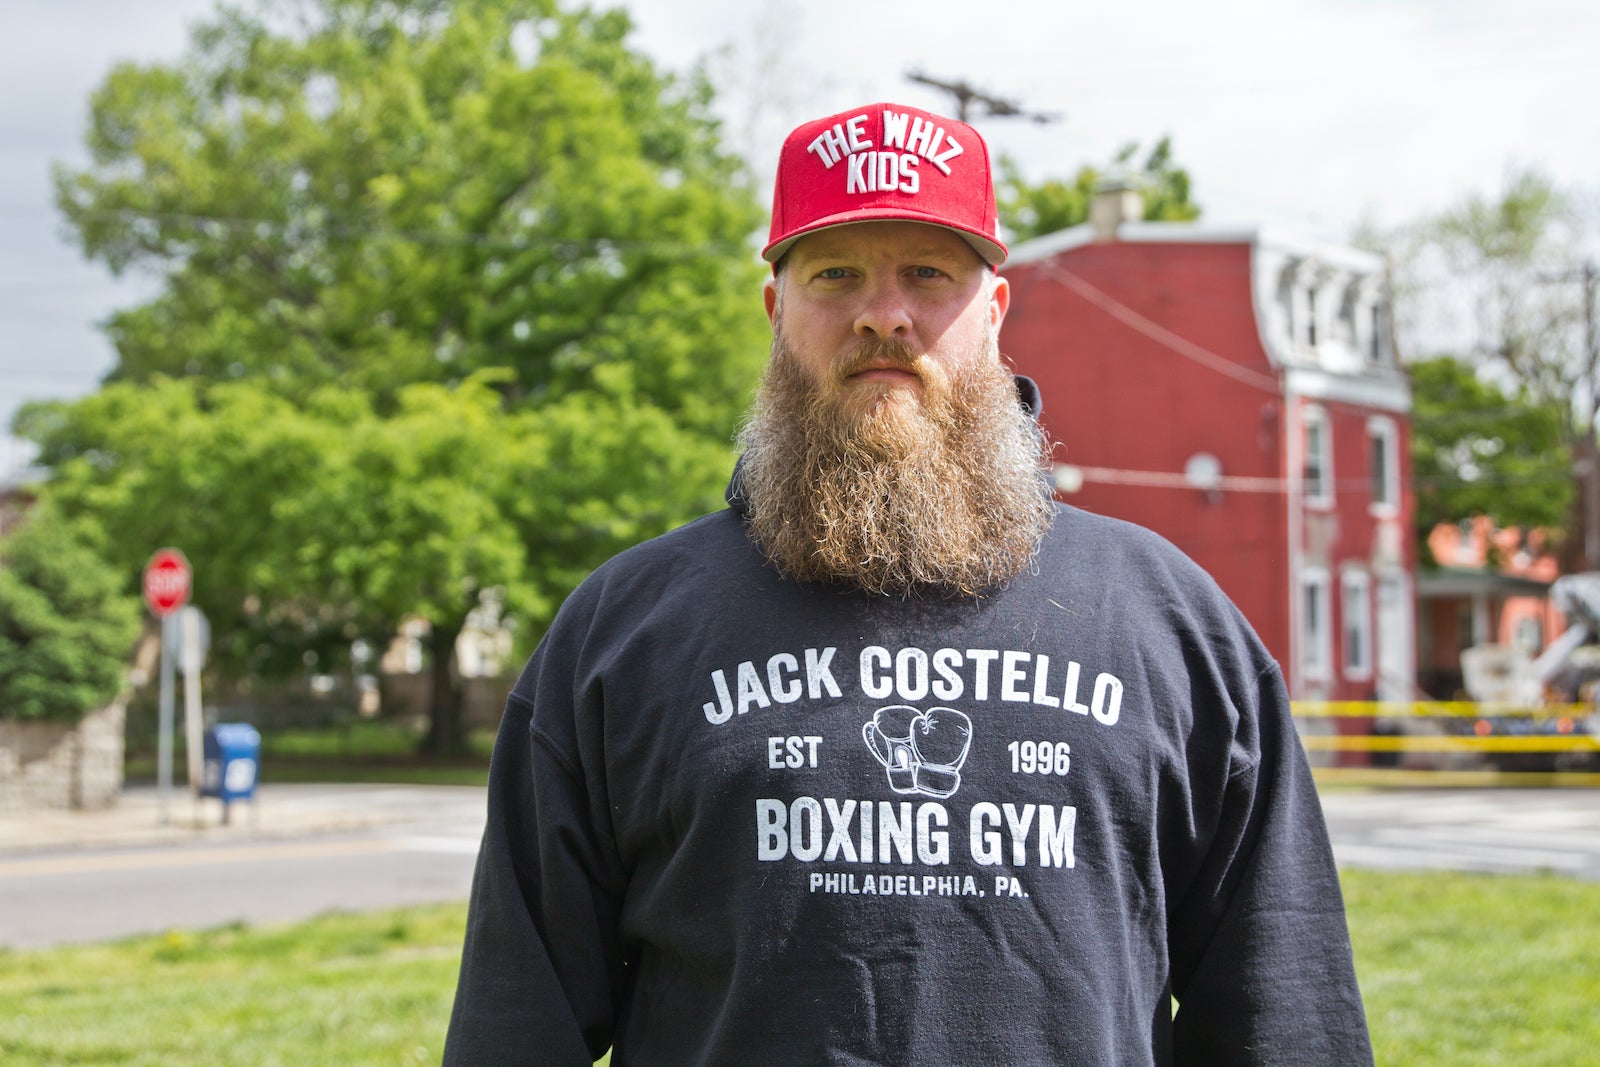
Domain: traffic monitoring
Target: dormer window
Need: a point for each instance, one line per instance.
(1311, 317)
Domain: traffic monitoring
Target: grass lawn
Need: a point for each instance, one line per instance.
(1464, 970)
(1458, 971)
(342, 989)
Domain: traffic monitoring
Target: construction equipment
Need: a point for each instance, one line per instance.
(1552, 697)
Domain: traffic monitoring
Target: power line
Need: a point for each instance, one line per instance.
(1160, 334)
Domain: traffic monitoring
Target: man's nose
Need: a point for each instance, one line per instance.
(886, 311)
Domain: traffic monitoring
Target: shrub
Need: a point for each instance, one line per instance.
(67, 624)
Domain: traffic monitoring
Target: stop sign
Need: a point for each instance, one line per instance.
(166, 581)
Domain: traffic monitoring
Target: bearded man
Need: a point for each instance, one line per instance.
(896, 760)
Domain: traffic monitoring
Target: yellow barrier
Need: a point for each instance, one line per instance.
(1448, 743)
(1451, 731)
(1467, 709)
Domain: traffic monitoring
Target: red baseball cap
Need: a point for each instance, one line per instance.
(885, 161)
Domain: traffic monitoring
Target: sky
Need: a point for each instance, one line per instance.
(1309, 116)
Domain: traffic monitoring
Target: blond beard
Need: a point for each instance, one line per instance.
(892, 494)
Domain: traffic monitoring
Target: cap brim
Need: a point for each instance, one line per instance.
(992, 251)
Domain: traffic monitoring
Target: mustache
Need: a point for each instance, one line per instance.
(879, 352)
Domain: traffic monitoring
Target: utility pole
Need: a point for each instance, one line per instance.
(966, 97)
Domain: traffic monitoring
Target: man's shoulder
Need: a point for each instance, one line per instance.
(1107, 535)
(1124, 553)
(696, 551)
(717, 532)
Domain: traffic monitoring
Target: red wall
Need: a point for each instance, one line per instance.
(1116, 397)
(1159, 358)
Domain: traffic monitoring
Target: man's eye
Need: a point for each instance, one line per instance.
(928, 272)
(833, 274)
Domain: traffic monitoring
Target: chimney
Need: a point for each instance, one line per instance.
(1116, 200)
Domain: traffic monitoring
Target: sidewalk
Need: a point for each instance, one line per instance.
(279, 811)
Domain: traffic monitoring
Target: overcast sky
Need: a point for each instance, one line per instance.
(1309, 115)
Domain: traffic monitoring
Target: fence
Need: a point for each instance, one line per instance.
(1450, 743)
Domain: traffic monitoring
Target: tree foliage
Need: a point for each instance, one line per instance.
(1506, 255)
(457, 299)
(1479, 450)
(1030, 209)
(1490, 281)
(67, 623)
(394, 192)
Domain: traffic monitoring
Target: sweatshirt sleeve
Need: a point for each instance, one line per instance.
(541, 966)
(1261, 960)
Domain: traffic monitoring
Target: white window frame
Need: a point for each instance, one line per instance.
(1316, 626)
(1315, 417)
(1382, 433)
(1355, 623)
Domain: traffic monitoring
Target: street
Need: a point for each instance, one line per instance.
(309, 850)
(315, 849)
(1488, 830)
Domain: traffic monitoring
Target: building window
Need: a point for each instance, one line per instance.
(1318, 473)
(1375, 340)
(1355, 614)
(1383, 463)
(1316, 626)
(1311, 317)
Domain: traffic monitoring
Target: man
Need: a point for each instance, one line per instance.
(896, 760)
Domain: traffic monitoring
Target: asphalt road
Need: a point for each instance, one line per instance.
(307, 851)
(1488, 830)
(417, 845)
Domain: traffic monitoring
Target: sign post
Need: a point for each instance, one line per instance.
(167, 581)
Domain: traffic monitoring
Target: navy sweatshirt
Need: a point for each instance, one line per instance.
(738, 819)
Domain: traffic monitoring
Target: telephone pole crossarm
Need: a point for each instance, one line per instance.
(966, 96)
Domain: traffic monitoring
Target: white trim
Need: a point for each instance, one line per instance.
(1342, 257)
(1355, 615)
(1387, 393)
(1315, 623)
(1395, 633)
(1294, 525)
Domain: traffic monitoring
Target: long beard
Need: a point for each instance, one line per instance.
(889, 494)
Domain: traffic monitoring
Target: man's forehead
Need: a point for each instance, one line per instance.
(907, 239)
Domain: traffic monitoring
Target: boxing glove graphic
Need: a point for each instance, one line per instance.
(939, 742)
(888, 735)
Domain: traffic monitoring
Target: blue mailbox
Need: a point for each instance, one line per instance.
(232, 760)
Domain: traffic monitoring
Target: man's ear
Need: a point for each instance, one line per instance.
(769, 296)
(999, 300)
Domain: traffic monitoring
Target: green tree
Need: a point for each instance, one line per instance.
(1480, 450)
(316, 523)
(457, 299)
(1031, 209)
(67, 624)
(417, 190)
(1485, 280)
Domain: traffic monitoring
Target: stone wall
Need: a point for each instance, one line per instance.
(61, 765)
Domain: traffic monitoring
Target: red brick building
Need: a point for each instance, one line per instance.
(1236, 391)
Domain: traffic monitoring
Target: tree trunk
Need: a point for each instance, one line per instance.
(447, 732)
(1580, 549)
